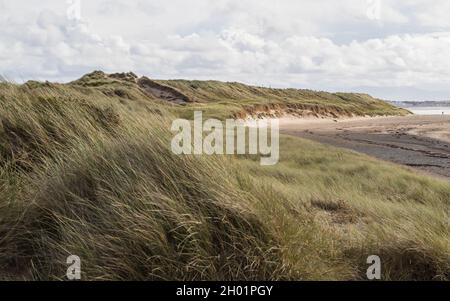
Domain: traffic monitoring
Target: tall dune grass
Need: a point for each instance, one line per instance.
(336, 208)
(87, 173)
(88, 178)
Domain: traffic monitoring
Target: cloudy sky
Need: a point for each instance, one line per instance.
(396, 50)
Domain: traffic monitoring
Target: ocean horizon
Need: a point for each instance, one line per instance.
(430, 110)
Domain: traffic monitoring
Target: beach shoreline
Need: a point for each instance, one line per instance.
(421, 142)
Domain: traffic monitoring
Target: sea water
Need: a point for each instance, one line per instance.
(430, 110)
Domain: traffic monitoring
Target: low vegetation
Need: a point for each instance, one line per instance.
(221, 100)
(86, 169)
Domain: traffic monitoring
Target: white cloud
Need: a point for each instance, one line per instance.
(318, 44)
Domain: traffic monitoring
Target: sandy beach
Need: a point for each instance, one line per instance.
(421, 142)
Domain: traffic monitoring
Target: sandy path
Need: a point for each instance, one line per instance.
(422, 142)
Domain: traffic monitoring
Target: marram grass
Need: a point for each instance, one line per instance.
(89, 172)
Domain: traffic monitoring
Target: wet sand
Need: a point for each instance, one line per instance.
(420, 142)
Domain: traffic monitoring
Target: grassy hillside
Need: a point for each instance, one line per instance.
(332, 208)
(86, 169)
(91, 176)
(223, 100)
